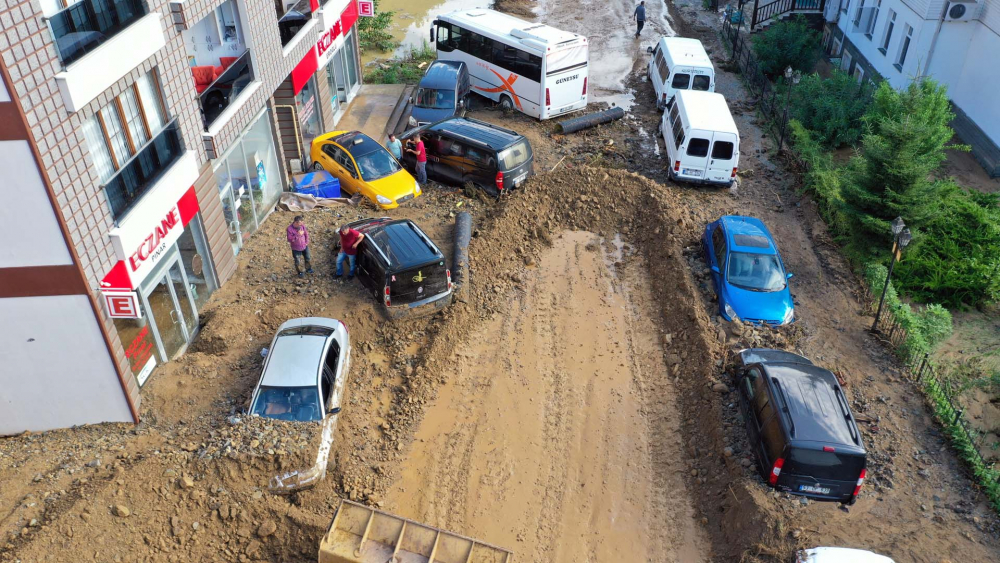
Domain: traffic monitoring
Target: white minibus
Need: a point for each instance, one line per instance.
(679, 63)
(703, 144)
(533, 68)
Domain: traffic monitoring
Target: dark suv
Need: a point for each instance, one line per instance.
(462, 150)
(800, 426)
(402, 268)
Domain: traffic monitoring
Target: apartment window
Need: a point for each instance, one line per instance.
(845, 62)
(124, 126)
(857, 14)
(904, 46)
(871, 23)
(859, 74)
(843, 5)
(887, 36)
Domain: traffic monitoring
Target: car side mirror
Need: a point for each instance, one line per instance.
(461, 103)
(649, 50)
(432, 34)
(334, 410)
(411, 99)
(716, 270)
(789, 275)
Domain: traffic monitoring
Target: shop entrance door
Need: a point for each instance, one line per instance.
(169, 305)
(232, 212)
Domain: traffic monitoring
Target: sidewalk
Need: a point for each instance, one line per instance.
(372, 110)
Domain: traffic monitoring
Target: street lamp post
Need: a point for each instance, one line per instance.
(791, 78)
(900, 238)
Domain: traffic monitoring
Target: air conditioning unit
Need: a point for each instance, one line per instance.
(961, 11)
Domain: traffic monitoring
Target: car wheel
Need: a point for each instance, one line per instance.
(506, 104)
(317, 166)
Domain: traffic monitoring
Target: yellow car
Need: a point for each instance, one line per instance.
(364, 166)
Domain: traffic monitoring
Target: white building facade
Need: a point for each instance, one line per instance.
(954, 42)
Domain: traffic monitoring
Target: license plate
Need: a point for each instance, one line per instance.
(519, 179)
(814, 489)
(690, 172)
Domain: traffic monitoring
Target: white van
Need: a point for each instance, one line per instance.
(679, 63)
(703, 144)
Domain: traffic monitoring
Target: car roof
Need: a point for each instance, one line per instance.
(811, 395)
(401, 242)
(748, 234)
(686, 51)
(349, 142)
(479, 132)
(442, 74)
(294, 360)
(707, 111)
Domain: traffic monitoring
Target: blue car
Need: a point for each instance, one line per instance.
(748, 273)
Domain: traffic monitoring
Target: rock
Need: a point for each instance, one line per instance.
(95, 463)
(186, 482)
(33, 523)
(195, 526)
(722, 336)
(720, 388)
(122, 511)
(728, 452)
(746, 462)
(266, 528)
(673, 359)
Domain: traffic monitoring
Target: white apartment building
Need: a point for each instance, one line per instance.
(956, 42)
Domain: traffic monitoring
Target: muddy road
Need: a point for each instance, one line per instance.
(542, 438)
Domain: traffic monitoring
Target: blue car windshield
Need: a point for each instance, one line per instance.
(755, 272)
(288, 403)
(434, 99)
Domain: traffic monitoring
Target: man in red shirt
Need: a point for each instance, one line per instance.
(421, 153)
(349, 241)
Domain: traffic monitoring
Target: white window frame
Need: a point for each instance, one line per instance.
(871, 24)
(904, 47)
(859, 74)
(890, 25)
(846, 60)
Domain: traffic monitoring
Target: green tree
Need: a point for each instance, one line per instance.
(831, 108)
(906, 135)
(787, 43)
(373, 33)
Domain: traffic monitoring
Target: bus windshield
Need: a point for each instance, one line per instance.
(565, 59)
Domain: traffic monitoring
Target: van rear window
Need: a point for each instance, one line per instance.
(722, 150)
(698, 147)
(515, 155)
(825, 465)
(701, 82)
(681, 81)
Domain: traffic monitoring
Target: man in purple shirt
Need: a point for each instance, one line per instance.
(298, 239)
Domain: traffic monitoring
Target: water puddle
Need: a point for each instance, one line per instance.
(411, 25)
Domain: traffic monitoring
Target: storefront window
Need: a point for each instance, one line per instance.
(139, 343)
(249, 180)
(197, 262)
(351, 59)
(309, 121)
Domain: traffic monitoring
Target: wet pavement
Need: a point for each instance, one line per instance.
(371, 109)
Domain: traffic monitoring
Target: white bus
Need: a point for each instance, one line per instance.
(533, 68)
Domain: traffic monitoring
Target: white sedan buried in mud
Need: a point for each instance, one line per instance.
(303, 381)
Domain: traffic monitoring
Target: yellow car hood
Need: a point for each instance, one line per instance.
(394, 186)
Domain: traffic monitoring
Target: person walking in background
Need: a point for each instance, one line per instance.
(640, 17)
(395, 147)
(421, 154)
(298, 239)
(349, 241)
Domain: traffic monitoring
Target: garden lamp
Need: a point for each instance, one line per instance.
(904, 238)
(901, 237)
(897, 226)
(788, 72)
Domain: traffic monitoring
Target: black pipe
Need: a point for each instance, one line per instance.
(463, 234)
(591, 119)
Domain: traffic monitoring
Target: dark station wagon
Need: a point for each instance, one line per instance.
(800, 426)
(402, 267)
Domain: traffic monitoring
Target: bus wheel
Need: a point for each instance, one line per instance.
(506, 105)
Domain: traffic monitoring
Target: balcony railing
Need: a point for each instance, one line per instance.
(141, 171)
(225, 89)
(84, 26)
(293, 20)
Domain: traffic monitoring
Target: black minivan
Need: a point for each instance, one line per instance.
(402, 267)
(800, 426)
(462, 150)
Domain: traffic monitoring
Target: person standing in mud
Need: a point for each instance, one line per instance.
(349, 241)
(421, 153)
(298, 239)
(640, 17)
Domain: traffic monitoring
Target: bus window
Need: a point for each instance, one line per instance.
(455, 41)
(504, 56)
(529, 66)
(479, 47)
(443, 36)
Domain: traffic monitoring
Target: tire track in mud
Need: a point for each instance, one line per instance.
(547, 425)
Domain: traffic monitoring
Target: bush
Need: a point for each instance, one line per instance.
(831, 108)
(373, 33)
(788, 43)
(821, 178)
(925, 328)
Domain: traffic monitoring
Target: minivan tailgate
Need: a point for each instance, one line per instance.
(418, 283)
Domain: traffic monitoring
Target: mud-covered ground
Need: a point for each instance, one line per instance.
(572, 405)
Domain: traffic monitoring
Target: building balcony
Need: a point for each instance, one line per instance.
(231, 81)
(98, 47)
(295, 17)
(140, 173)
